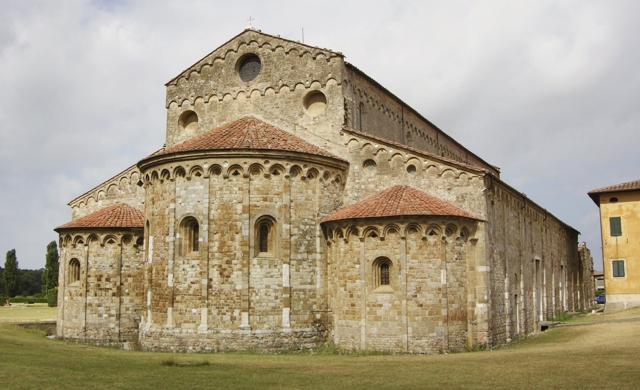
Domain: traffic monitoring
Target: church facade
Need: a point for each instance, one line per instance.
(296, 202)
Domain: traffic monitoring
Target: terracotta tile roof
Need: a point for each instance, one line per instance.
(248, 133)
(622, 187)
(395, 201)
(119, 215)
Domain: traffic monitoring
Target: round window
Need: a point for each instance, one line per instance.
(369, 165)
(314, 103)
(248, 67)
(188, 121)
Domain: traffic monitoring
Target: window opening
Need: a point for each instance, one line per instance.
(618, 268)
(264, 238)
(384, 274)
(74, 270)
(615, 224)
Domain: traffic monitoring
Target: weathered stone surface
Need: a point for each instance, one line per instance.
(235, 252)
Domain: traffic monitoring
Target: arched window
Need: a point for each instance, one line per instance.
(74, 270)
(265, 236)
(190, 230)
(382, 275)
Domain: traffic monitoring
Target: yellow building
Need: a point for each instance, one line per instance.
(620, 227)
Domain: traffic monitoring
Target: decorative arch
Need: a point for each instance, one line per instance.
(391, 230)
(215, 170)
(235, 171)
(295, 171)
(413, 230)
(256, 169)
(352, 232)
(277, 170)
(371, 232)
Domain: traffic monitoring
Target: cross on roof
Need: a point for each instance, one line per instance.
(250, 20)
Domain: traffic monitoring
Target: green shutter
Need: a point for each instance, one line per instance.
(616, 226)
(618, 268)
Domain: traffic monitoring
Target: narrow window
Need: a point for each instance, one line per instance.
(74, 270)
(618, 268)
(264, 238)
(190, 232)
(616, 226)
(195, 234)
(384, 274)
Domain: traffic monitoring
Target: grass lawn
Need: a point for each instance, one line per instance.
(20, 312)
(600, 356)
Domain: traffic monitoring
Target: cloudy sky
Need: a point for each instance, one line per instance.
(546, 90)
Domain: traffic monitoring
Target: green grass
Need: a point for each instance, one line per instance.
(590, 356)
(21, 312)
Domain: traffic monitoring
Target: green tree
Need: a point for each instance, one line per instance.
(11, 275)
(50, 275)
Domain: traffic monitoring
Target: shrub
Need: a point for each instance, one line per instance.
(52, 297)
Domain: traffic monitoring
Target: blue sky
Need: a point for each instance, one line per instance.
(546, 90)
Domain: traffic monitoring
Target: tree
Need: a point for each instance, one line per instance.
(11, 275)
(50, 275)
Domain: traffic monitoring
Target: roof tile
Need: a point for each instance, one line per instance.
(119, 215)
(395, 201)
(248, 133)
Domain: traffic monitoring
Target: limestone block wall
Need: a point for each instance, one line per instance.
(297, 89)
(100, 297)
(376, 165)
(229, 290)
(428, 303)
(374, 110)
(122, 188)
(535, 269)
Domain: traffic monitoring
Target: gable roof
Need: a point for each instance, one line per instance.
(396, 201)
(622, 187)
(253, 35)
(247, 133)
(119, 215)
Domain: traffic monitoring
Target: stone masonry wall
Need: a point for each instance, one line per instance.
(424, 307)
(228, 292)
(104, 305)
(534, 264)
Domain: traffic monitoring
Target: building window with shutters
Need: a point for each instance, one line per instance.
(618, 268)
(615, 225)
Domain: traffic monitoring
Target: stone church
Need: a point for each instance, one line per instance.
(296, 202)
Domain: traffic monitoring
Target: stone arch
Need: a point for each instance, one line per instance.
(109, 239)
(295, 171)
(277, 170)
(215, 170)
(165, 174)
(391, 229)
(154, 176)
(352, 232)
(312, 174)
(450, 230)
(77, 241)
(179, 171)
(371, 232)
(73, 271)
(196, 171)
(433, 230)
(413, 230)
(235, 170)
(256, 169)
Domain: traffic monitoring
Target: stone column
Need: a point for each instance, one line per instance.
(171, 253)
(363, 297)
(286, 252)
(204, 245)
(403, 292)
(245, 247)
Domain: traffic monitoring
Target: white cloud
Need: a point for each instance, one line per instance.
(547, 90)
